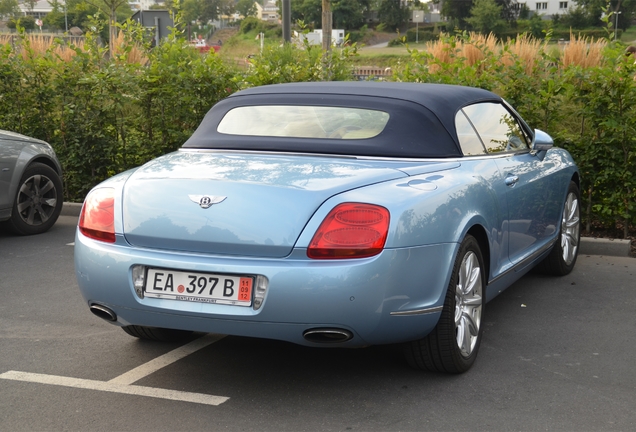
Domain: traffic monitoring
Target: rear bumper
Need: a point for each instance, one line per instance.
(392, 297)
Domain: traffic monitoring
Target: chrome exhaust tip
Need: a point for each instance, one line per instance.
(327, 335)
(103, 312)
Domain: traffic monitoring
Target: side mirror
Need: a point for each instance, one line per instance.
(542, 141)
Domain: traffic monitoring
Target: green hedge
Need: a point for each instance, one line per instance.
(104, 116)
(590, 111)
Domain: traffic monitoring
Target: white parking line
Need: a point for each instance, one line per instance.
(122, 383)
(162, 361)
(114, 388)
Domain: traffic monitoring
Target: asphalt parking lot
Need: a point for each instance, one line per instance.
(556, 355)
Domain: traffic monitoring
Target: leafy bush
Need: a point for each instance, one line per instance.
(583, 94)
(423, 35)
(26, 22)
(104, 115)
(254, 25)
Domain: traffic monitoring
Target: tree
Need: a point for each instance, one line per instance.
(213, 9)
(246, 8)
(508, 11)
(109, 8)
(26, 22)
(310, 11)
(77, 12)
(30, 4)
(536, 26)
(575, 18)
(191, 10)
(457, 10)
(392, 14)
(594, 10)
(485, 17)
(348, 14)
(9, 8)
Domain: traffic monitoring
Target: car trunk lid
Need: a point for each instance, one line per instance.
(235, 204)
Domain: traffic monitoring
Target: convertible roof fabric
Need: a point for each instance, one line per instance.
(421, 124)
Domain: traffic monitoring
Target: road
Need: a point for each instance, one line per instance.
(555, 355)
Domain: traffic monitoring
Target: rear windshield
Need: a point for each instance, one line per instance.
(299, 121)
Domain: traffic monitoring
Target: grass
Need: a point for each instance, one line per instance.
(629, 35)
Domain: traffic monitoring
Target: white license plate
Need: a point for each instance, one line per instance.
(199, 287)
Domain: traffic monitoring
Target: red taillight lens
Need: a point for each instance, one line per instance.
(97, 219)
(351, 230)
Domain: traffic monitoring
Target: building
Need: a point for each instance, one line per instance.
(267, 12)
(315, 37)
(40, 8)
(140, 5)
(158, 21)
(546, 9)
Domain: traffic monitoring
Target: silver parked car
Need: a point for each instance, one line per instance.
(30, 184)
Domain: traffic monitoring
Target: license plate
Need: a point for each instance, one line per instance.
(199, 287)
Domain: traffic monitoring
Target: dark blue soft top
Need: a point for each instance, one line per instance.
(422, 118)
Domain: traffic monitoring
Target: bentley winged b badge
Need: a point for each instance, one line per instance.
(206, 201)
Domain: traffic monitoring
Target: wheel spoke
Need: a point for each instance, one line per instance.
(570, 228)
(31, 215)
(468, 302)
(47, 186)
(43, 216)
(572, 223)
(461, 336)
(473, 301)
(51, 202)
(471, 325)
(26, 190)
(36, 183)
(23, 206)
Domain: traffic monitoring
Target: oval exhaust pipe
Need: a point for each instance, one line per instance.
(327, 335)
(103, 312)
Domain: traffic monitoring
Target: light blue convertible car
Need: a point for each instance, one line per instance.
(334, 214)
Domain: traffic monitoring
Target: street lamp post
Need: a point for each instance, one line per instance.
(65, 18)
(616, 24)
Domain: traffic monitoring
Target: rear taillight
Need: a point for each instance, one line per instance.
(351, 230)
(97, 219)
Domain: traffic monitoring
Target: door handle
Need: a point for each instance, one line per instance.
(512, 180)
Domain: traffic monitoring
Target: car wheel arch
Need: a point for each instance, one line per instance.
(479, 232)
(25, 160)
(46, 161)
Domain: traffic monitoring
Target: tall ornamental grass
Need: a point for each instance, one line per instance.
(582, 93)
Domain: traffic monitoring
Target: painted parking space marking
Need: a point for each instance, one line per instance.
(123, 383)
(162, 361)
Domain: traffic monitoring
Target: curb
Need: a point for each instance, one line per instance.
(588, 245)
(71, 209)
(606, 247)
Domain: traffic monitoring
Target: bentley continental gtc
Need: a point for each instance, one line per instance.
(334, 214)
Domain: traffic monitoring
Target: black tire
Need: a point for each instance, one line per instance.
(441, 350)
(157, 334)
(565, 251)
(38, 202)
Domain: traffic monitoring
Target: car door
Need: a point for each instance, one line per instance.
(532, 195)
(9, 152)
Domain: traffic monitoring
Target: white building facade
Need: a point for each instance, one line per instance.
(547, 8)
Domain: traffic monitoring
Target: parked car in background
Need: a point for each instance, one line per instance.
(31, 193)
(334, 214)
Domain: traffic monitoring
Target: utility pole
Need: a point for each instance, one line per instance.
(287, 20)
(326, 26)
